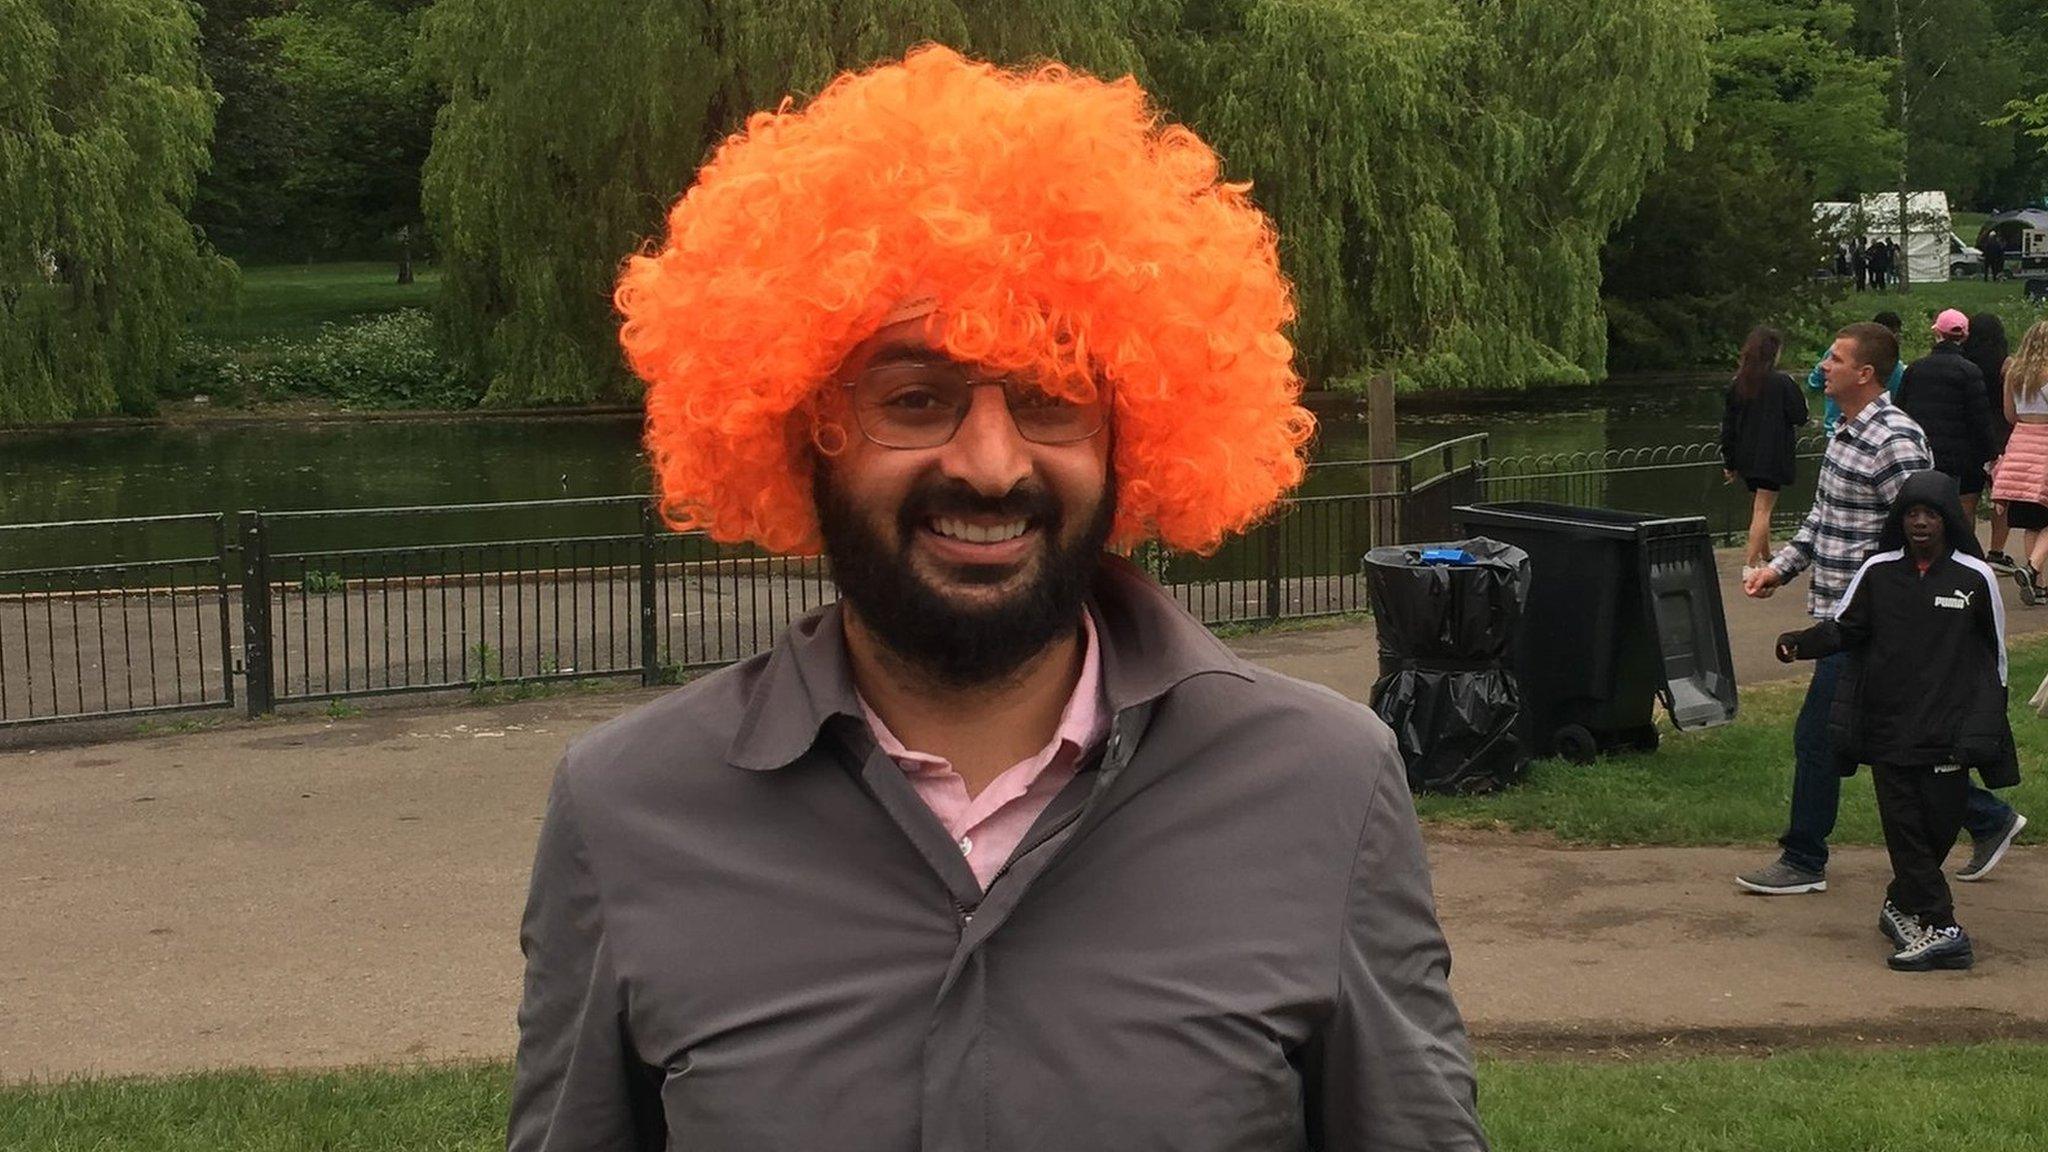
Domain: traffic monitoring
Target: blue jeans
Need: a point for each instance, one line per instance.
(1817, 784)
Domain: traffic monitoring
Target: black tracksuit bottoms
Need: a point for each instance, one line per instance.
(1922, 813)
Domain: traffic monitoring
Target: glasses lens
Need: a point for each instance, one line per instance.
(910, 405)
(1048, 419)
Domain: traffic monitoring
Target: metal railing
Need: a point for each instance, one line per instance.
(1673, 479)
(469, 596)
(144, 630)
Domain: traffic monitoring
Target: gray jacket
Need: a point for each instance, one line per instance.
(746, 933)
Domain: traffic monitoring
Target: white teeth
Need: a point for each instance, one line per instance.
(976, 534)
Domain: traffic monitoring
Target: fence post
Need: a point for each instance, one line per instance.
(223, 550)
(650, 654)
(256, 614)
(1272, 533)
(1389, 483)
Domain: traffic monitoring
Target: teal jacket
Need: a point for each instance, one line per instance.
(1831, 413)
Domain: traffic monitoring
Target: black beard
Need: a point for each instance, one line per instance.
(955, 646)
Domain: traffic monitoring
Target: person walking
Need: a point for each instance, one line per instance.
(1880, 264)
(1994, 255)
(1816, 380)
(1760, 418)
(1987, 348)
(1922, 700)
(983, 855)
(2020, 481)
(1868, 459)
(1943, 392)
(1859, 259)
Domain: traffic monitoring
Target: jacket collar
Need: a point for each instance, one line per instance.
(1149, 645)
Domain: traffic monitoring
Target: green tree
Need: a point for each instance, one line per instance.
(1963, 63)
(104, 120)
(1786, 78)
(240, 203)
(324, 124)
(2025, 115)
(363, 116)
(1441, 172)
(1724, 237)
(549, 166)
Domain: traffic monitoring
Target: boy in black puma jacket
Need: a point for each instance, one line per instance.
(1922, 701)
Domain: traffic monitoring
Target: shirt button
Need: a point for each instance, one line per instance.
(967, 845)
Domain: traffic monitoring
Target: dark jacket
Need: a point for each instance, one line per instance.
(1759, 437)
(1944, 393)
(747, 933)
(1991, 366)
(1925, 683)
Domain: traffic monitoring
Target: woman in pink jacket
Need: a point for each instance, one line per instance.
(2019, 479)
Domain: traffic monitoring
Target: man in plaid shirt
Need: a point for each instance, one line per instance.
(1872, 451)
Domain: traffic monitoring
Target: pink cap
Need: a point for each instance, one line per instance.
(1952, 323)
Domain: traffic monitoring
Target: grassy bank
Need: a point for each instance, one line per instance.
(1985, 1098)
(1724, 785)
(346, 335)
(291, 301)
(1918, 307)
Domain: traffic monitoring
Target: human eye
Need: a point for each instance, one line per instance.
(911, 399)
(911, 395)
(1027, 398)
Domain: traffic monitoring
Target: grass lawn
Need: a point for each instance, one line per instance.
(1984, 1098)
(1723, 785)
(291, 301)
(1919, 306)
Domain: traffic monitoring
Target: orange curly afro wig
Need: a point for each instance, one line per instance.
(1063, 232)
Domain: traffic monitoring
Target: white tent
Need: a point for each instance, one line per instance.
(1928, 220)
(1835, 219)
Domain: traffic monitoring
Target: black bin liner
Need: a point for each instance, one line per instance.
(1446, 684)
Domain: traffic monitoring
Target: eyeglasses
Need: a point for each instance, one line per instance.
(921, 404)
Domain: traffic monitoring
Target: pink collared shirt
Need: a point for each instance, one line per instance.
(988, 827)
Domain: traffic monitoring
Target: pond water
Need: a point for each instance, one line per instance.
(94, 473)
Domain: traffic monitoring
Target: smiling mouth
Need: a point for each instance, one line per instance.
(957, 529)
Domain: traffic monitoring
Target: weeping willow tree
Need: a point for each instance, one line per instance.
(550, 165)
(105, 117)
(1442, 172)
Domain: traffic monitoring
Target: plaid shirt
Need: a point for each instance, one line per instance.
(1867, 461)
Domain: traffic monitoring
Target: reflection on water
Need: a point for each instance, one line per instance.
(76, 474)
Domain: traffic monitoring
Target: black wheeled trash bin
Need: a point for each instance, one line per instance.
(1624, 610)
(1445, 615)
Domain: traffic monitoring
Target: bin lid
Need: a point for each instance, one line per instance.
(1576, 520)
(1682, 593)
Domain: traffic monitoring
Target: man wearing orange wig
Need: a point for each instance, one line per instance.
(1003, 851)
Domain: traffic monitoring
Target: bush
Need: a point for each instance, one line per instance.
(387, 361)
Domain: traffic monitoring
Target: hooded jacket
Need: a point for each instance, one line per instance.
(1926, 678)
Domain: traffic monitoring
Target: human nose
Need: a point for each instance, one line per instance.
(987, 451)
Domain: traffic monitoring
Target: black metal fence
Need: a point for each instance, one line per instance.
(1674, 479)
(366, 602)
(146, 630)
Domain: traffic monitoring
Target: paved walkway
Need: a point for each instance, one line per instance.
(304, 892)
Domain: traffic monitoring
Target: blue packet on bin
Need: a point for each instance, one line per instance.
(1448, 556)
